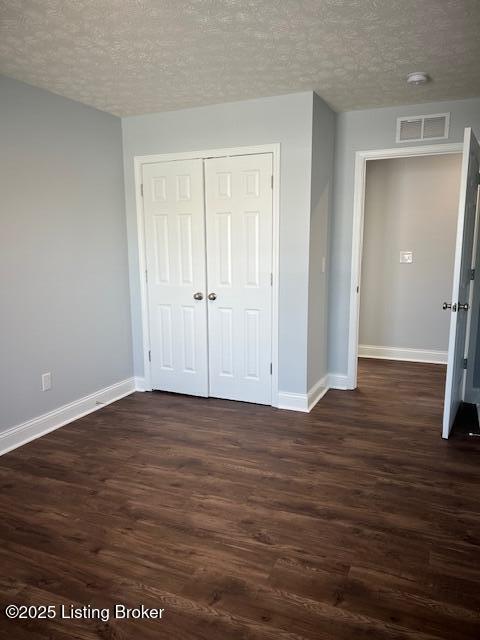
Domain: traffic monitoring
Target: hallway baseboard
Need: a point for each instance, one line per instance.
(398, 353)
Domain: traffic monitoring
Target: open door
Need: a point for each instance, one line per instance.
(459, 306)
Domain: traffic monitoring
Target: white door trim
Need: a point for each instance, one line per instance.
(139, 161)
(361, 158)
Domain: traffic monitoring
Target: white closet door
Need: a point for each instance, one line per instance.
(173, 196)
(238, 193)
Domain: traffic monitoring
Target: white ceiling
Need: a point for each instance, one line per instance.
(139, 56)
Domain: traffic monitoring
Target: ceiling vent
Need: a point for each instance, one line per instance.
(432, 127)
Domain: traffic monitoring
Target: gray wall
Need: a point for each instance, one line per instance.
(63, 257)
(323, 140)
(284, 119)
(411, 204)
(361, 130)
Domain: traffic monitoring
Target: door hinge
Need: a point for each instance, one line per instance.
(141, 190)
(472, 274)
(271, 368)
(465, 362)
(271, 279)
(149, 356)
(271, 181)
(146, 276)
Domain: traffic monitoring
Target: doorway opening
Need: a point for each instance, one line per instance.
(458, 305)
(384, 221)
(409, 232)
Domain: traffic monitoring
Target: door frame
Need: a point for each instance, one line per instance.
(138, 162)
(361, 159)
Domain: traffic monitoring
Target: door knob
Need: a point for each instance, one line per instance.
(463, 306)
(198, 295)
(212, 296)
(446, 305)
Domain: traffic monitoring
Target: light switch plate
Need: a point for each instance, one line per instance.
(406, 257)
(46, 381)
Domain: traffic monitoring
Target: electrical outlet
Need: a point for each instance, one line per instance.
(46, 381)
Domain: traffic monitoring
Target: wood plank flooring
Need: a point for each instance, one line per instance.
(247, 523)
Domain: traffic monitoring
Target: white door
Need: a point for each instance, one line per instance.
(238, 195)
(173, 196)
(454, 387)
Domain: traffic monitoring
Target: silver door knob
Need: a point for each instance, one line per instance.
(198, 295)
(463, 306)
(446, 305)
(212, 296)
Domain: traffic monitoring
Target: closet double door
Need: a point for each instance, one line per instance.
(208, 237)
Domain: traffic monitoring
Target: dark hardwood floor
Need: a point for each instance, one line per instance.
(248, 523)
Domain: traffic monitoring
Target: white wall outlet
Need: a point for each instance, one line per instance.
(406, 257)
(46, 381)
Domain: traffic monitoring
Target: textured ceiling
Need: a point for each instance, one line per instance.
(140, 56)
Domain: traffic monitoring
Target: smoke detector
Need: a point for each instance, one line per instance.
(417, 78)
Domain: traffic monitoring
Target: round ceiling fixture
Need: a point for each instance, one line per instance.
(417, 78)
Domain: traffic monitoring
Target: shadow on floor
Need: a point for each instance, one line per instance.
(466, 422)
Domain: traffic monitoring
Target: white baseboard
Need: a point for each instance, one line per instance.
(139, 383)
(339, 381)
(303, 401)
(317, 392)
(397, 353)
(292, 401)
(37, 427)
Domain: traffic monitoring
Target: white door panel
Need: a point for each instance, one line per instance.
(454, 387)
(175, 248)
(239, 265)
